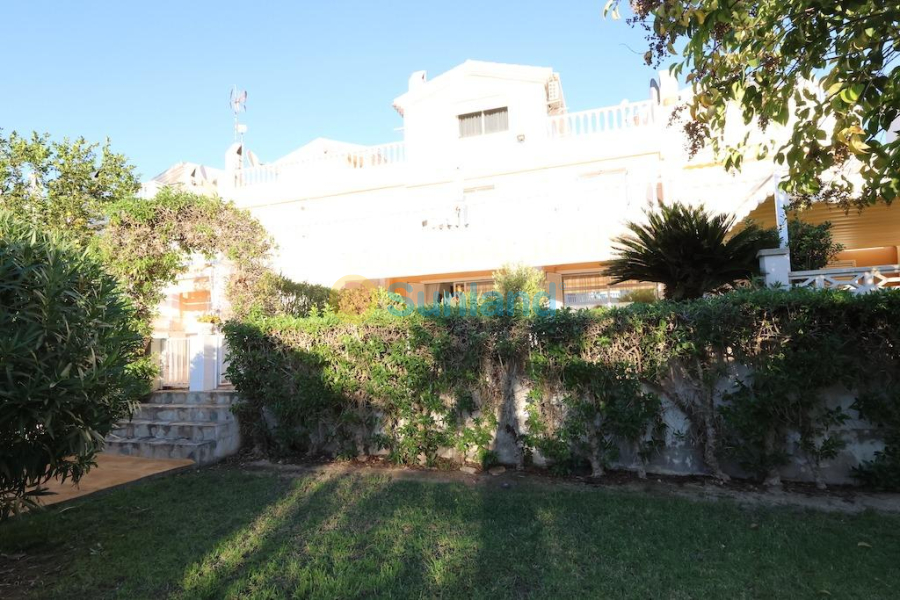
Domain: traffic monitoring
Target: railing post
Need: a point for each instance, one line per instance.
(869, 284)
(775, 265)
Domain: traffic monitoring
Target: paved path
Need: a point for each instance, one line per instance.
(111, 471)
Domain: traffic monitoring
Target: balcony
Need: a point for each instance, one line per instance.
(623, 118)
(859, 280)
(598, 121)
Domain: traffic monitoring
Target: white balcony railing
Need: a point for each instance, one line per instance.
(371, 157)
(602, 120)
(858, 280)
(621, 117)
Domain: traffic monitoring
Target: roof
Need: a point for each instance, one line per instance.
(183, 174)
(475, 68)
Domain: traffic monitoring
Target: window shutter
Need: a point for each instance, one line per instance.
(470, 124)
(496, 120)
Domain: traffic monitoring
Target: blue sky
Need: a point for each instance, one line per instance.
(155, 76)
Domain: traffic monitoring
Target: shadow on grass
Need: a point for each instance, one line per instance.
(365, 535)
(344, 536)
(224, 533)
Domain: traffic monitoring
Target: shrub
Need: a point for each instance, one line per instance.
(518, 284)
(355, 300)
(264, 293)
(66, 340)
(812, 246)
(643, 295)
(688, 250)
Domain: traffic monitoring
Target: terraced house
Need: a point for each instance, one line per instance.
(493, 167)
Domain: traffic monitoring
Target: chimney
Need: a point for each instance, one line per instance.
(668, 88)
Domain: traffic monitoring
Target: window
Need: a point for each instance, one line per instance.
(482, 122)
(452, 291)
(592, 289)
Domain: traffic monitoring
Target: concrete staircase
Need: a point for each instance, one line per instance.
(179, 424)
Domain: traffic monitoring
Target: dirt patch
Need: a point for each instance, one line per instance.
(843, 499)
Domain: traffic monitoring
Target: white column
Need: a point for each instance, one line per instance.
(781, 202)
(775, 265)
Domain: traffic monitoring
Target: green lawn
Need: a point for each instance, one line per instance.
(226, 533)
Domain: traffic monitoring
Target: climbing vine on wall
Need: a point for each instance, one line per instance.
(749, 370)
(148, 242)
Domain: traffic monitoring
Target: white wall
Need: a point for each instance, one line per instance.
(457, 205)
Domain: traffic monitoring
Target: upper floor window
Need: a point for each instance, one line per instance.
(485, 121)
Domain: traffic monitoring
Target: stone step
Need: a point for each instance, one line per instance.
(220, 397)
(201, 452)
(180, 424)
(217, 413)
(174, 430)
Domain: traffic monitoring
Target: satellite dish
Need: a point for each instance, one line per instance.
(238, 100)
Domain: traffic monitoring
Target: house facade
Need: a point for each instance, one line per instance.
(492, 167)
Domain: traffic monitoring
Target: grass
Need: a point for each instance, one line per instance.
(226, 533)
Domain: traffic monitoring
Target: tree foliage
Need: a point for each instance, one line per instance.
(832, 65)
(147, 243)
(688, 250)
(86, 193)
(62, 186)
(812, 246)
(67, 337)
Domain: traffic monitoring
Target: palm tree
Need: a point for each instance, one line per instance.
(689, 251)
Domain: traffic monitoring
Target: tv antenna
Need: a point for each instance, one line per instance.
(238, 102)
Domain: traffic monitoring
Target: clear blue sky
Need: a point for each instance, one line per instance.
(155, 76)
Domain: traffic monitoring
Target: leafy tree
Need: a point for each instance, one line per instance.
(66, 341)
(832, 65)
(812, 246)
(688, 250)
(87, 193)
(62, 186)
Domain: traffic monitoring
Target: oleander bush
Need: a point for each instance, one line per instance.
(67, 339)
(580, 389)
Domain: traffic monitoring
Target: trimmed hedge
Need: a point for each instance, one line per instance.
(748, 369)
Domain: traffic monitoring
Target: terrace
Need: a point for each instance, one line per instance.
(598, 122)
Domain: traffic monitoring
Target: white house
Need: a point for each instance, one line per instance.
(492, 168)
